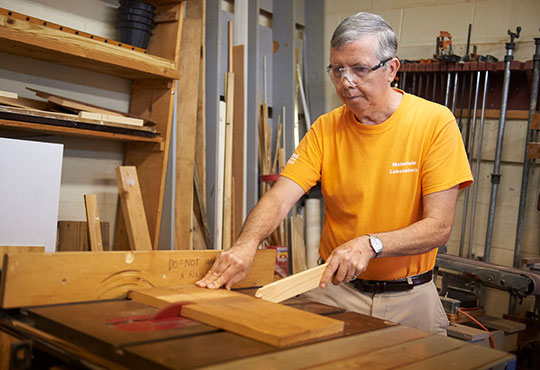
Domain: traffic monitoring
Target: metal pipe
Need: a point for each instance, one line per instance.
(454, 96)
(428, 78)
(420, 81)
(496, 176)
(477, 168)
(448, 80)
(469, 109)
(526, 160)
(460, 122)
(470, 150)
(413, 90)
(434, 86)
(404, 81)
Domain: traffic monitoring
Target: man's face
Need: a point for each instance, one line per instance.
(360, 92)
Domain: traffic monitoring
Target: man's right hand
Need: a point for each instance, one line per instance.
(231, 266)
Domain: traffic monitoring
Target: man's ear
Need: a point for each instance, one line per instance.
(392, 67)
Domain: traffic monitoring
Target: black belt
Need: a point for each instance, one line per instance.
(400, 285)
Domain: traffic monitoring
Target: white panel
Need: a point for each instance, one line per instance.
(30, 175)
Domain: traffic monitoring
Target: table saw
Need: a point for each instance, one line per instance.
(75, 316)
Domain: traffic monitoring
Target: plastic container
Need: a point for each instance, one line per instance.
(135, 11)
(135, 18)
(135, 36)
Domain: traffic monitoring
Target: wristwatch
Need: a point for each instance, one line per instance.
(376, 245)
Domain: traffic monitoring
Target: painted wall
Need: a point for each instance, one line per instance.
(88, 165)
(417, 23)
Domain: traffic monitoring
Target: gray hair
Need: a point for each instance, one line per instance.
(366, 24)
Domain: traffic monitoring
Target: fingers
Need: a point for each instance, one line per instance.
(230, 267)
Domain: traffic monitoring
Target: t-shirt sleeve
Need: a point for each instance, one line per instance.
(445, 163)
(304, 165)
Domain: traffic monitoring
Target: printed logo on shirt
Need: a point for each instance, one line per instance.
(403, 167)
(293, 158)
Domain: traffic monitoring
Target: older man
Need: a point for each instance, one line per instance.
(390, 166)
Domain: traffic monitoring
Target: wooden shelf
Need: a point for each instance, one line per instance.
(25, 38)
(70, 131)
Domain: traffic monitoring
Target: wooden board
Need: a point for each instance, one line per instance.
(72, 118)
(8, 94)
(293, 285)
(533, 150)
(24, 103)
(92, 218)
(239, 124)
(133, 208)
(15, 249)
(227, 184)
(28, 39)
(264, 321)
(188, 91)
(111, 118)
(79, 277)
(73, 236)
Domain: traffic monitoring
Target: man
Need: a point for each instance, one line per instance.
(390, 166)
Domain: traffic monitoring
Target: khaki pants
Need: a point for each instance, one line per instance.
(419, 308)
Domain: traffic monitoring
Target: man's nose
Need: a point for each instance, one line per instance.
(349, 78)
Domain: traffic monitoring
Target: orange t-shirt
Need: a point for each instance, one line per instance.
(373, 178)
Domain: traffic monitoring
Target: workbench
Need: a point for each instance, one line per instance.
(121, 334)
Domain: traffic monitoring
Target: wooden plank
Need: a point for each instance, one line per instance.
(170, 31)
(533, 151)
(238, 140)
(467, 333)
(8, 94)
(6, 342)
(72, 117)
(535, 121)
(92, 219)
(466, 357)
(77, 132)
(227, 185)
(200, 209)
(328, 352)
(76, 277)
(133, 208)
(24, 103)
(293, 285)
(188, 91)
(297, 244)
(79, 106)
(32, 40)
(110, 118)
(267, 322)
(220, 175)
(15, 249)
(72, 236)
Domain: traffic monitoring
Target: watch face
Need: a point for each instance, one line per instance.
(376, 244)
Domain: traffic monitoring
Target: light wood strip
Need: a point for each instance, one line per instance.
(267, 322)
(112, 118)
(94, 226)
(188, 91)
(238, 140)
(133, 208)
(288, 287)
(81, 276)
(535, 121)
(227, 185)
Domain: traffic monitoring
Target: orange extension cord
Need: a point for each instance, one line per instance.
(462, 310)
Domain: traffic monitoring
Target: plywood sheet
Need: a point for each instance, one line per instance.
(264, 321)
(79, 276)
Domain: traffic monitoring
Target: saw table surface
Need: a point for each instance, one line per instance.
(122, 334)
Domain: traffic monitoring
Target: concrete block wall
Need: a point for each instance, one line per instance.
(88, 164)
(417, 23)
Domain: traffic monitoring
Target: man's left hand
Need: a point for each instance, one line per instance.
(347, 261)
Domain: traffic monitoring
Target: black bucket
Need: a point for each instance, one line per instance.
(134, 4)
(135, 36)
(135, 22)
(122, 18)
